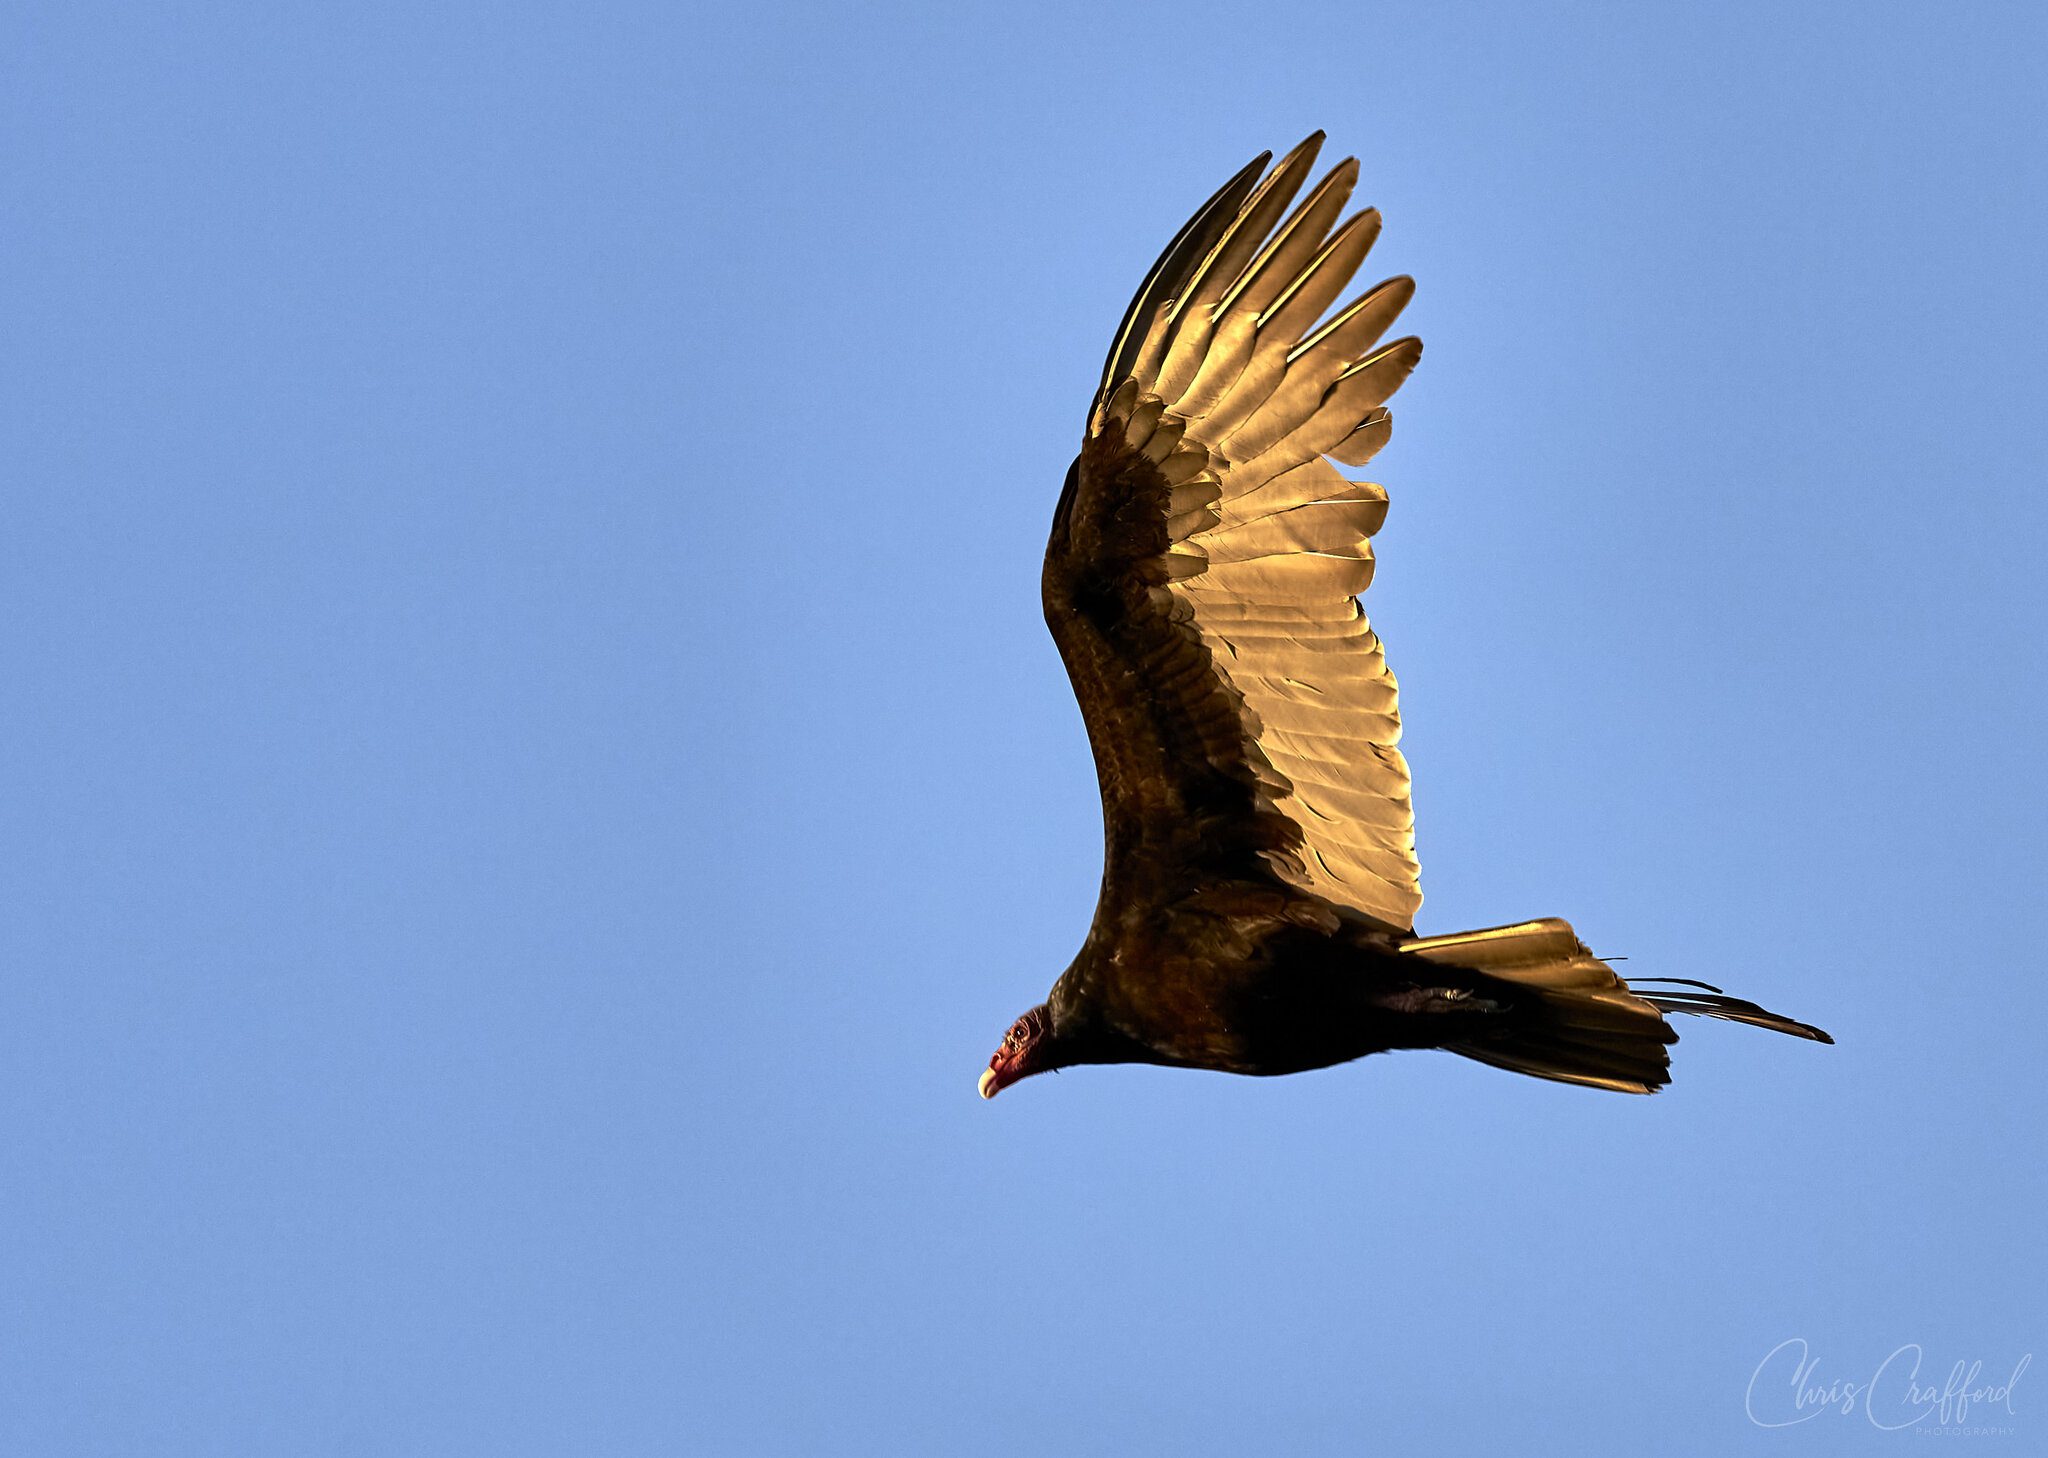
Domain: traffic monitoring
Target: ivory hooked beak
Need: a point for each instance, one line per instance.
(988, 1083)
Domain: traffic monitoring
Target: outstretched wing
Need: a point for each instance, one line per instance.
(1205, 560)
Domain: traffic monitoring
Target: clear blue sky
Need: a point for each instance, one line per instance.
(534, 779)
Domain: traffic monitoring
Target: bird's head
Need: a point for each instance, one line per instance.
(1027, 1049)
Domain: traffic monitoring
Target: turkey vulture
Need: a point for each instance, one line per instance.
(1259, 884)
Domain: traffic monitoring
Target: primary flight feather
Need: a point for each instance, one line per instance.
(1259, 884)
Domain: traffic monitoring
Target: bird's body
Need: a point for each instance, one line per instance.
(1260, 883)
(1245, 991)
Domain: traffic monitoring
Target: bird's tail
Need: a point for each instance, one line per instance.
(1584, 1024)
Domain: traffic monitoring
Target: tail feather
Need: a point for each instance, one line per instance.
(1584, 1024)
(1718, 1004)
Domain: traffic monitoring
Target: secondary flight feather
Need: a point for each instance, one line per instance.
(1260, 885)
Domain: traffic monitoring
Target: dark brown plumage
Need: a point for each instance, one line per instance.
(1259, 884)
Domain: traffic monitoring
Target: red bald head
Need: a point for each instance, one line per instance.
(1027, 1049)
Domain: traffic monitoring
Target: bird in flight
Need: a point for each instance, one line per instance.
(1259, 885)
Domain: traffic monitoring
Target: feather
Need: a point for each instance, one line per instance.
(1169, 274)
(1195, 312)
